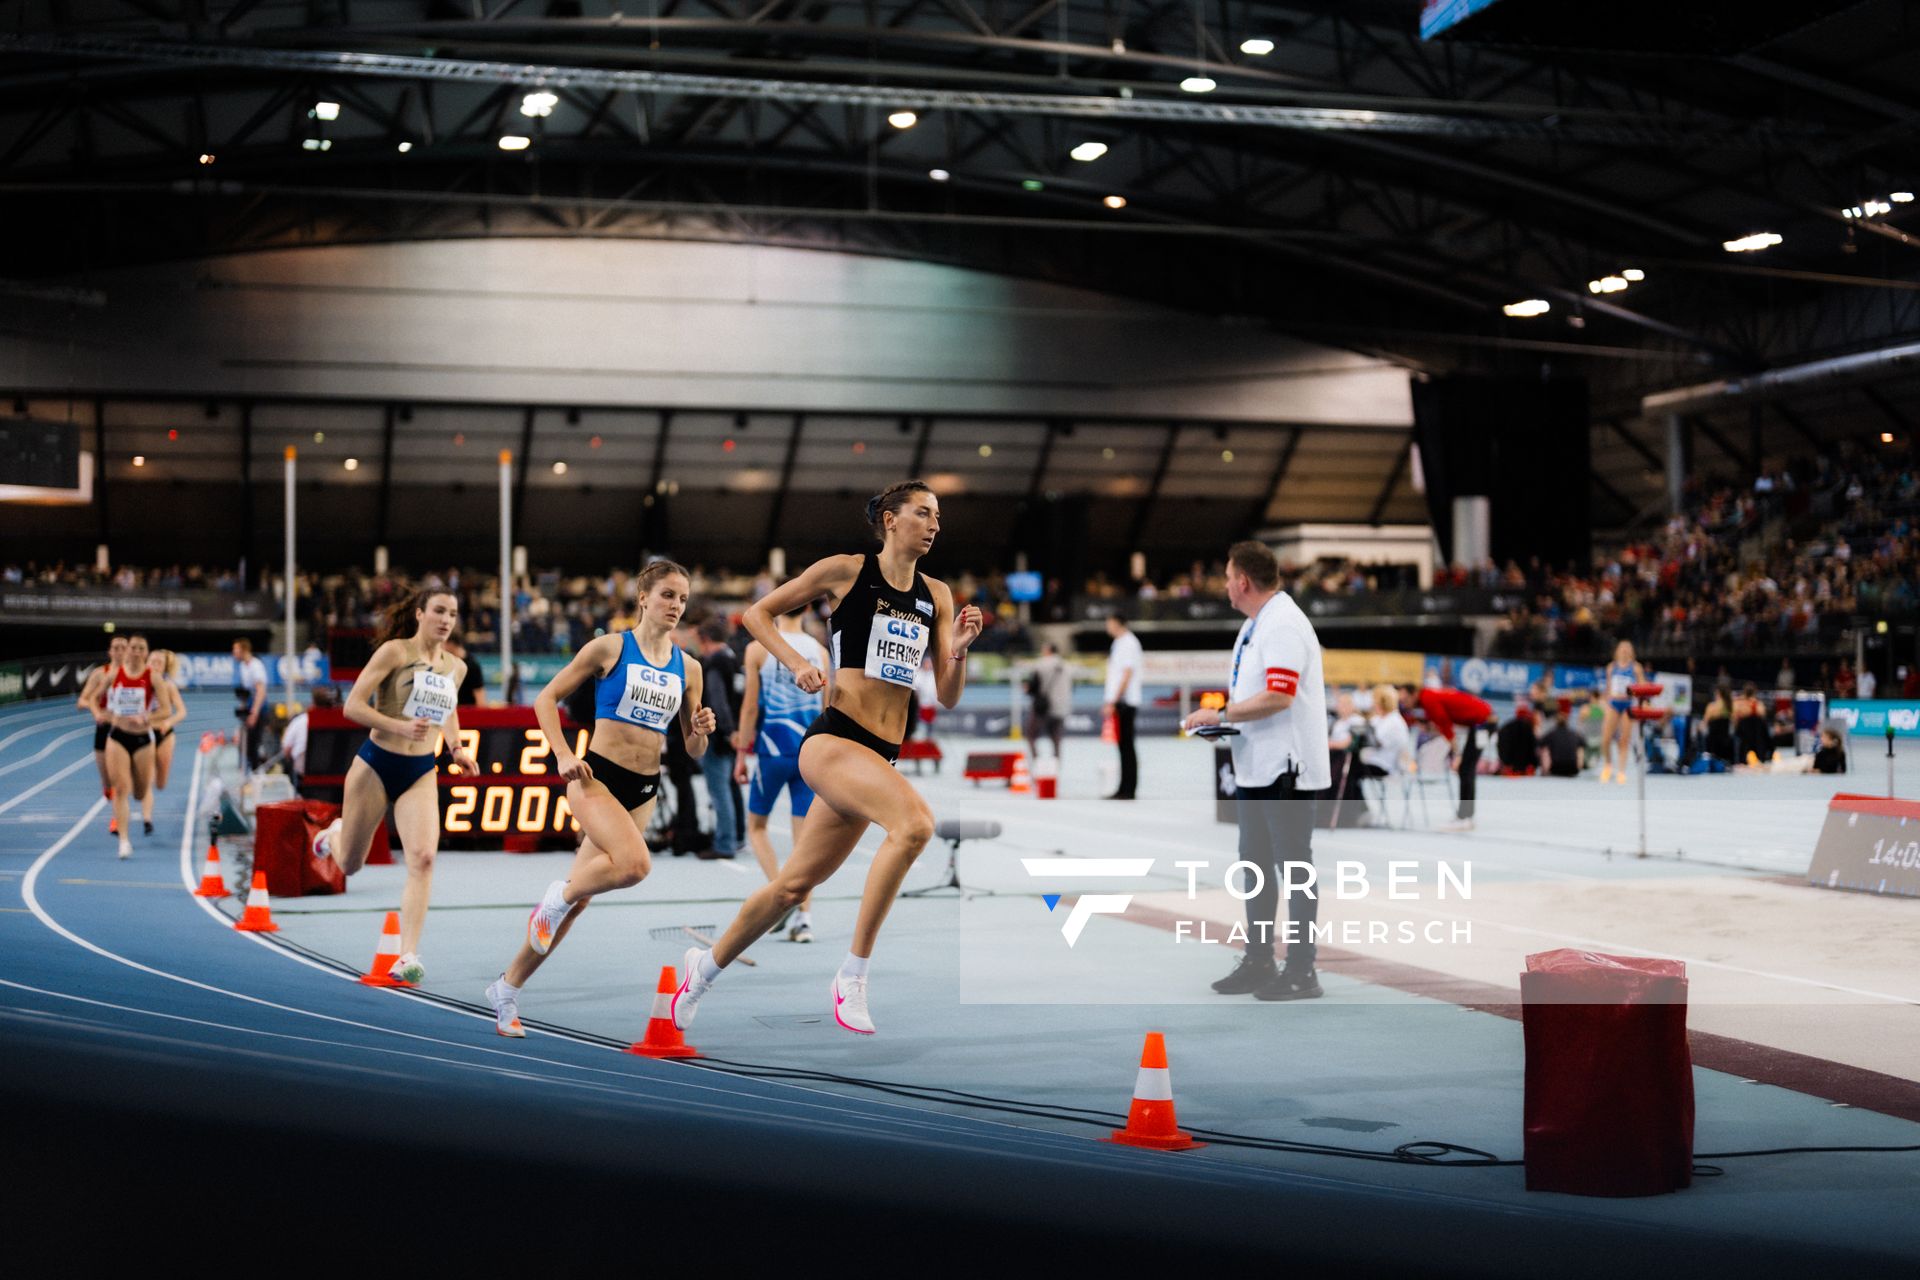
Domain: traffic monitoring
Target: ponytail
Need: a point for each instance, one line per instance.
(397, 622)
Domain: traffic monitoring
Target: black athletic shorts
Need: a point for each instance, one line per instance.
(837, 724)
(631, 789)
(133, 742)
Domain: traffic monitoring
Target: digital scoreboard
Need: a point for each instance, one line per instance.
(517, 801)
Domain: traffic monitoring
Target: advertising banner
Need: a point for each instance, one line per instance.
(215, 670)
(179, 610)
(1871, 719)
(1504, 678)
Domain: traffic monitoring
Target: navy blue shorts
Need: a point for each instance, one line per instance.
(397, 772)
(770, 774)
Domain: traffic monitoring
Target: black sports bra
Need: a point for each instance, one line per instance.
(881, 632)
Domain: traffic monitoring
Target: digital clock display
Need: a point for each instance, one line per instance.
(1869, 844)
(516, 801)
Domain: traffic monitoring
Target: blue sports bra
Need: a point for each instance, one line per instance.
(638, 693)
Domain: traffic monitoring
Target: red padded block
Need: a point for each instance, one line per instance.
(283, 842)
(1609, 1078)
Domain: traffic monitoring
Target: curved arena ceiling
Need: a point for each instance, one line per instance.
(1354, 185)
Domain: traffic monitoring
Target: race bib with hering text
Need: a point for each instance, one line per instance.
(895, 647)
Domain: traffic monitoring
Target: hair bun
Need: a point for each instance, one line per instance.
(873, 508)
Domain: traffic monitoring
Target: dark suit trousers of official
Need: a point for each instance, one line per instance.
(1123, 715)
(1469, 770)
(1276, 828)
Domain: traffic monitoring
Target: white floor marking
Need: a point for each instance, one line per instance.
(42, 785)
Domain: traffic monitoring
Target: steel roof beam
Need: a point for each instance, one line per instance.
(1082, 106)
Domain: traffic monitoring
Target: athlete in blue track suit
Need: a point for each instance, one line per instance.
(774, 718)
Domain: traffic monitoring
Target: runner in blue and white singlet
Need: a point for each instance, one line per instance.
(774, 719)
(1616, 730)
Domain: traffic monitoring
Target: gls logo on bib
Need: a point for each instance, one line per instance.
(894, 649)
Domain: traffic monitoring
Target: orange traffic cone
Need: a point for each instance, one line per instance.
(212, 883)
(1150, 1121)
(258, 917)
(380, 972)
(663, 1038)
(1019, 781)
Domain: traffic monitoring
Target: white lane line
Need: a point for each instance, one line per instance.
(48, 750)
(83, 763)
(1609, 944)
(838, 1106)
(191, 882)
(858, 1123)
(35, 727)
(919, 1114)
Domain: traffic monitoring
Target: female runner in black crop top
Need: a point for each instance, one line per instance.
(886, 616)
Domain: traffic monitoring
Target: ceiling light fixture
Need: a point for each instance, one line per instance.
(903, 119)
(325, 111)
(1753, 243)
(1199, 84)
(938, 175)
(1257, 46)
(539, 104)
(1530, 307)
(1115, 202)
(1088, 151)
(514, 142)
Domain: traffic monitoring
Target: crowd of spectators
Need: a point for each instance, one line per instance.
(1781, 566)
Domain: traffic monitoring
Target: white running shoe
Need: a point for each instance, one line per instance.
(802, 932)
(126, 848)
(322, 848)
(408, 969)
(850, 1004)
(686, 1001)
(506, 1009)
(545, 918)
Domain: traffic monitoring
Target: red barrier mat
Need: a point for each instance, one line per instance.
(1609, 1079)
(283, 848)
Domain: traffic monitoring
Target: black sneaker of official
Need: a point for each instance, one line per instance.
(1254, 972)
(1291, 984)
